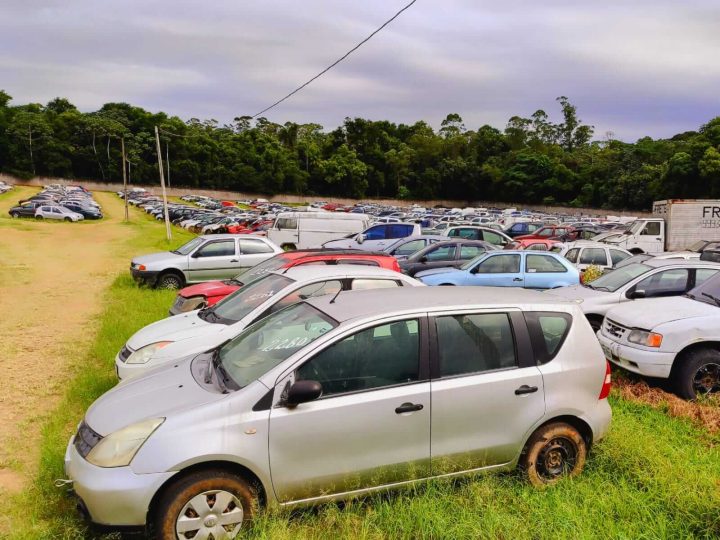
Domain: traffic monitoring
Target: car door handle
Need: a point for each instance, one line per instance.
(525, 389)
(517, 279)
(408, 407)
(234, 260)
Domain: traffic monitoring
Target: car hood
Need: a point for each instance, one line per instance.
(161, 257)
(156, 394)
(177, 328)
(436, 271)
(578, 293)
(209, 289)
(652, 312)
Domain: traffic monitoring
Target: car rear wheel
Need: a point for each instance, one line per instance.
(206, 504)
(38, 217)
(170, 280)
(554, 451)
(14, 215)
(698, 374)
(68, 219)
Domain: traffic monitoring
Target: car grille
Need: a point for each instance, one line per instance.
(614, 329)
(86, 439)
(125, 353)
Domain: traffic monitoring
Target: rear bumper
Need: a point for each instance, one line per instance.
(647, 363)
(144, 277)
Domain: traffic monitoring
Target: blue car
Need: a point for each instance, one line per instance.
(528, 269)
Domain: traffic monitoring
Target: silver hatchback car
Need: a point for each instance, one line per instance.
(335, 397)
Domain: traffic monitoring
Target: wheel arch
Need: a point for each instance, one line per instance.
(218, 465)
(689, 349)
(575, 421)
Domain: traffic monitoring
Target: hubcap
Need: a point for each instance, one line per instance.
(707, 379)
(216, 515)
(556, 458)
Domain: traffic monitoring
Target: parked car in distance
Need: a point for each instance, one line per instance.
(210, 293)
(377, 237)
(204, 258)
(649, 279)
(584, 253)
(536, 244)
(473, 232)
(334, 397)
(87, 211)
(300, 230)
(522, 228)
(403, 248)
(198, 331)
(447, 254)
(673, 255)
(25, 209)
(532, 270)
(669, 338)
(548, 231)
(57, 212)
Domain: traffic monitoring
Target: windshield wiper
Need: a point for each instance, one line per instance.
(713, 298)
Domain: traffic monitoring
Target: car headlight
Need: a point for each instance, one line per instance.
(642, 337)
(143, 354)
(192, 303)
(119, 448)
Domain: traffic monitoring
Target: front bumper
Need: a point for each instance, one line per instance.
(647, 363)
(115, 497)
(144, 277)
(125, 371)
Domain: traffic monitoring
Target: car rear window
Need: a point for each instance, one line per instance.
(548, 330)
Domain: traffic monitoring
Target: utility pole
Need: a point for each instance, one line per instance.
(167, 160)
(162, 183)
(124, 169)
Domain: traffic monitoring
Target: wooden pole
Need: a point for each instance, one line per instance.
(167, 160)
(162, 183)
(124, 169)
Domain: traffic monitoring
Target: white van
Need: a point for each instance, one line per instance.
(302, 230)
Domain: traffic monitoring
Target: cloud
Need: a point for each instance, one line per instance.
(634, 68)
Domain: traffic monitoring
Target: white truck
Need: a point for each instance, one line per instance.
(302, 230)
(676, 225)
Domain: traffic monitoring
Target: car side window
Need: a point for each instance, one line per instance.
(651, 229)
(492, 237)
(537, 247)
(500, 264)
(221, 248)
(703, 274)
(252, 247)
(548, 331)
(409, 248)
(367, 284)
(399, 231)
(572, 255)
(666, 283)
(618, 256)
(468, 253)
(593, 256)
(441, 253)
(545, 232)
(376, 233)
(543, 264)
(303, 293)
(377, 357)
(475, 343)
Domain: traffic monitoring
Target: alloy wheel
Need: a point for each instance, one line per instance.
(707, 379)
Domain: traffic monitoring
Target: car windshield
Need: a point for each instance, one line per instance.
(234, 307)
(185, 249)
(636, 227)
(698, 246)
(270, 341)
(708, 291)
(259, 270)
(612, 281)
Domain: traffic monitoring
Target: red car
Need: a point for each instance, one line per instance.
(547, 232)
(534, 244)
(258, 225)
(206, 294)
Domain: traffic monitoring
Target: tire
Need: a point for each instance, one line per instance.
(14, 215)
(170, 280)
(697, 374)
(191, 498)
(636, 251)
(553, 452)
(38, 217)
(69, 220)
(288, 247)
(446, 285)
(595, 323)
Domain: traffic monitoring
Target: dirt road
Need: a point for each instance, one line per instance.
(51, 279)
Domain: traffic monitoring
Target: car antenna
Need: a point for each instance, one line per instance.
(336, 295)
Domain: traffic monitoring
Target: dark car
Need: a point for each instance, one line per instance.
(88, 212)
(517, 229)
(25, 209)
(450, 253)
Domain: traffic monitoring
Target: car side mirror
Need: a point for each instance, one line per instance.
(360, 238)
(474, 269)
(302, 392)
(423, 259)
(636, 294)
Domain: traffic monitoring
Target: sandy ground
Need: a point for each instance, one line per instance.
(51, 279)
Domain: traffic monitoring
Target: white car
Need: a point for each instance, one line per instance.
(652, 278)
(670, 338)
(199, 331)
(584, 253)
(57, 212)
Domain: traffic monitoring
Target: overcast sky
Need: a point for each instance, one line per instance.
(633, 67)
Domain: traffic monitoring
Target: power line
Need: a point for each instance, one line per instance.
(336, 62)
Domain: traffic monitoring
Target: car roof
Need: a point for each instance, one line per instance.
(655, 263)
(354, 304)
(302, 273)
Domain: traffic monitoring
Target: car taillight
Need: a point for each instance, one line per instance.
(607, 383)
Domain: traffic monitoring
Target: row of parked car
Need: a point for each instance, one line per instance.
(60, 202)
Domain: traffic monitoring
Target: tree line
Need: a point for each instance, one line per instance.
(532, 160)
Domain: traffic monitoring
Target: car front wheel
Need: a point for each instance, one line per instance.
(205, 504)
(698, 374)
(170, 281)
(554, 451)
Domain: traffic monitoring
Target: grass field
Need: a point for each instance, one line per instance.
(654, 476)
